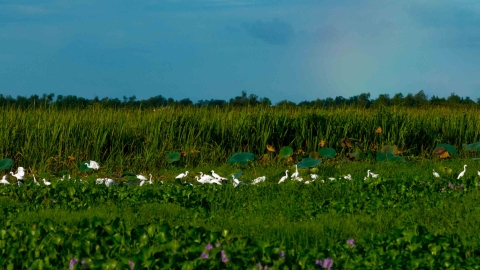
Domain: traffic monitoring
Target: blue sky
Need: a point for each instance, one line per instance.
(214, 49)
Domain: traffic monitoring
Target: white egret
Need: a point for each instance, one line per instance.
(462, 173)
(110, 182)
(215, 181)
(370, 173)
(332, 178)
(299, 179)
(436, 174)
(218, 176)
(295, 174)
(100, 181)
(20, 173)
(46, 182)
(308, 182)
(4, 180)
(258, 180)
(35, 180)
(141, 177)
(142, 182)
(206, 177)
(348, 177)
(93, 165)
(314, 176)
(150, 181)
(182, 175)
(478, 172)
(284, 177)
(202, 180)
(236, 182)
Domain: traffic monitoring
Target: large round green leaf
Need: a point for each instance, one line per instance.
(285, 152)
(472, 146)
(6, 163)
(327, 152)
(241, 158)
(309, 162)
(450, 148)
(173, 157)
(83, 166)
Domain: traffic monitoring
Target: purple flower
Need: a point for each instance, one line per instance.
(443, 189)
(282, 254)
(260, 267)
(204, 255)
(131, 264)
(266, 267)
(327, 264)
(224, 256)
(217, 245)
(54, 201)
(351, 242)
(208, 246)
(318, 262)
(451, 186)
(462, 185)
(72, 263)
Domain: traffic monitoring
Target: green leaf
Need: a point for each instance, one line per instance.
(309, 162)
(238, 174)
(327, 152)
(450, 148)
(6, 163)
(241, 158)
(285, 152)
(173, 157)
(472, 147)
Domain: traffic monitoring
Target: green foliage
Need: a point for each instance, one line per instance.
(285, 152)
(327, 152)
(6, 163)
(381, 157)
(309, 162)
(173, 157)
(241, 158)
(472, 147)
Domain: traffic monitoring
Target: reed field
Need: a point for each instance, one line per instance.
(42, 139)
(406, 218)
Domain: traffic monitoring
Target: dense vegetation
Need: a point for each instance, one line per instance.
(405, 219)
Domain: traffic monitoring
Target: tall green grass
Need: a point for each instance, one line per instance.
(42, 139)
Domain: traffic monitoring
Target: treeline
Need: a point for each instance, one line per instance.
(363, 100)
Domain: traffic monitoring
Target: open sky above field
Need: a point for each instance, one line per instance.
(214, 49)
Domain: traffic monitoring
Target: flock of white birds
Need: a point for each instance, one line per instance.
(214, 178)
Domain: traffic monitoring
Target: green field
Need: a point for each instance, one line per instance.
(404, 219)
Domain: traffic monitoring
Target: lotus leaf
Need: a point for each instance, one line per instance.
(241, 158)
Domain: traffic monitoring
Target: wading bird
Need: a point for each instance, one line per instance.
(314, 176)
(4, 180)
(284, 177)
(295, 174)
(93, 165)
(218, 176)
(150, 181)
(182, 175)
(46, 182)
(100, 181)
(20, 173)
(110, 182)
(462, 173)
(141, 177)
(348, 177)
(202, 180)
(258, 180)
(436, 174)
(369, 173)
(35, 180)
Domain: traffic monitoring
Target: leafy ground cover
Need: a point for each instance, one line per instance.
(405, 218)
